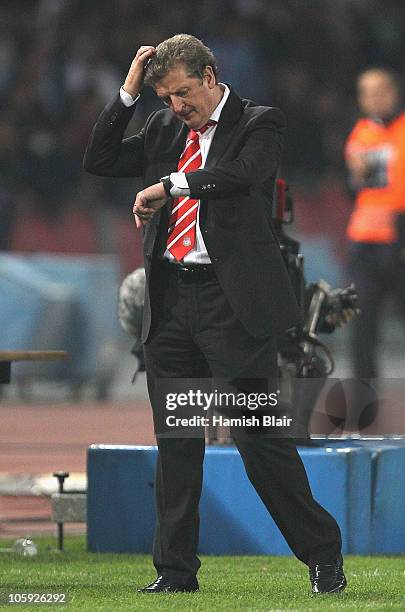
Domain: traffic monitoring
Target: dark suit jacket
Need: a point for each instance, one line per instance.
(235, 189)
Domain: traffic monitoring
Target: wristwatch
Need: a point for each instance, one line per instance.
(167, 184)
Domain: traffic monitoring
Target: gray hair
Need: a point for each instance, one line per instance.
(181, 49)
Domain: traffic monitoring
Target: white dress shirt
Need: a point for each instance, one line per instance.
(180, 187)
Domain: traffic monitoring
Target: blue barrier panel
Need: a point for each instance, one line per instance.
(387, 531)
(388, 521)
(359, 501)
(120, 494)
(235, 521)
(233, 518)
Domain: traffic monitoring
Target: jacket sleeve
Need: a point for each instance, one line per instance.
(107, 153)
(256, 162)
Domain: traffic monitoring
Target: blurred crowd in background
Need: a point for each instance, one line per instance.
(61, 61)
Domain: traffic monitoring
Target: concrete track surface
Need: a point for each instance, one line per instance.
(43, 438)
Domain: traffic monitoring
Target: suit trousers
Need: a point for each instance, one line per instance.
(377, 271)
(195, 334)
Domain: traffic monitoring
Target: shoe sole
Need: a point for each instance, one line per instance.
(336, 591)
(165, 592)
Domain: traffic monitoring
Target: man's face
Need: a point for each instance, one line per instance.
(378, 95)
(190, 99)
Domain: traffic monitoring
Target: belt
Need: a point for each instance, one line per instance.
(189, 273)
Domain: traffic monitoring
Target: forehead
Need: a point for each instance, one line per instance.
(175, 79)
(375, 80)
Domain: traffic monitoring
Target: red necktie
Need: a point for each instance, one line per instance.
(183, 217)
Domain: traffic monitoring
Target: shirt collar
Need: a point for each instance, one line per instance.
(217, 112)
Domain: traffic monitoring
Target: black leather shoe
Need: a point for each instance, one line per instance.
(164, 584)
(328, 577)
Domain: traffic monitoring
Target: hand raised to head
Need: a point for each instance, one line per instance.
(134, 79)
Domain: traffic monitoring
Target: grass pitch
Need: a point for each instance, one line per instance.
(109, 582)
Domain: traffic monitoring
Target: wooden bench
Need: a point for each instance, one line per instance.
(7, 358)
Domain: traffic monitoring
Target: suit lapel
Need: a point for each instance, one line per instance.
(230, 115)
(179, 142)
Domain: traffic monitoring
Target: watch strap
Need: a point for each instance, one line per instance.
(167, 184)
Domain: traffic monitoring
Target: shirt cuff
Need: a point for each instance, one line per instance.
(127, 99)
(180, 185)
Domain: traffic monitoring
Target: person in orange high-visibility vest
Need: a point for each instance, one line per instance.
(375, 157)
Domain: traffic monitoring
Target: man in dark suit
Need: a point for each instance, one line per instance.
(217, 290)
